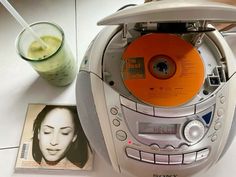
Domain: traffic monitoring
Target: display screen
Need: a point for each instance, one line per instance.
(154, 128)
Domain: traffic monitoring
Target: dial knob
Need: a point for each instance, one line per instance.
(194, 131)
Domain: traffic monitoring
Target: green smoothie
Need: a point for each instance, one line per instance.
(55, 62)
(36, 51)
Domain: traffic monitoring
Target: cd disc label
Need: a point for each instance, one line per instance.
(168, 71)
(134, 68)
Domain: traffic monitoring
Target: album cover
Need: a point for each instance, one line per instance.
(52, 138)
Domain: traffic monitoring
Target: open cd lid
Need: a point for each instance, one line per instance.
(173, 11)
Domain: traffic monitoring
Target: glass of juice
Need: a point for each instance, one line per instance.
(53, 61)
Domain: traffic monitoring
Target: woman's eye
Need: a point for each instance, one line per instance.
(65, 133)
(47, 132)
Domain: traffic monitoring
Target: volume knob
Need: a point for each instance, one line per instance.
(194, 131)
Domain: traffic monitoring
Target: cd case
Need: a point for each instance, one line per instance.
(53, 139)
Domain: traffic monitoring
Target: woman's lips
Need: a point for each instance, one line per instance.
(53, 151)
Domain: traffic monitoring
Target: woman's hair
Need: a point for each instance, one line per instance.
(78, 150)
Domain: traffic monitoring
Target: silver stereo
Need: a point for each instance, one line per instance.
(148, 133)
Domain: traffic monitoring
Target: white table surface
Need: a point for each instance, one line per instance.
(20, 85)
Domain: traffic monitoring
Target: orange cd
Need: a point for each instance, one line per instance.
(162, 70)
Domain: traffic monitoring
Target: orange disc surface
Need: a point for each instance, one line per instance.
(162, 70)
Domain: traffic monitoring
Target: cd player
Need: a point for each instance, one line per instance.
(156, 88)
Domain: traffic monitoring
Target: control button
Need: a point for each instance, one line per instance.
(189, 158)
(217, 126)
(121, 135)
(161, 159)
(113, 111)
(128, 103)
(145, 109)
(184, 147)
(207, 114)
(116, 122)
(202, 154)
(207, 117)
(220, 112)
(222, 100)
(175, 159)
(133, 153)
(194, 131)
(174, 112)
(214, 138)
(169, 147)
(147, 157)
(154, 146)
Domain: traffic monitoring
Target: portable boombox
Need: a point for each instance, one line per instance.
(156, 91)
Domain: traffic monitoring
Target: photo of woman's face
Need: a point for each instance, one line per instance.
(56, 134)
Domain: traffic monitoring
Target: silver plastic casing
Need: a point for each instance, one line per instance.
(110, 117)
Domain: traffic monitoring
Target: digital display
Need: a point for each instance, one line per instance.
(154, 128)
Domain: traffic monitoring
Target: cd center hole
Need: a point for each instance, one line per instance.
(162, 67)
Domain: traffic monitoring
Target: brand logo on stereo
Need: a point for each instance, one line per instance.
(156, 175)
